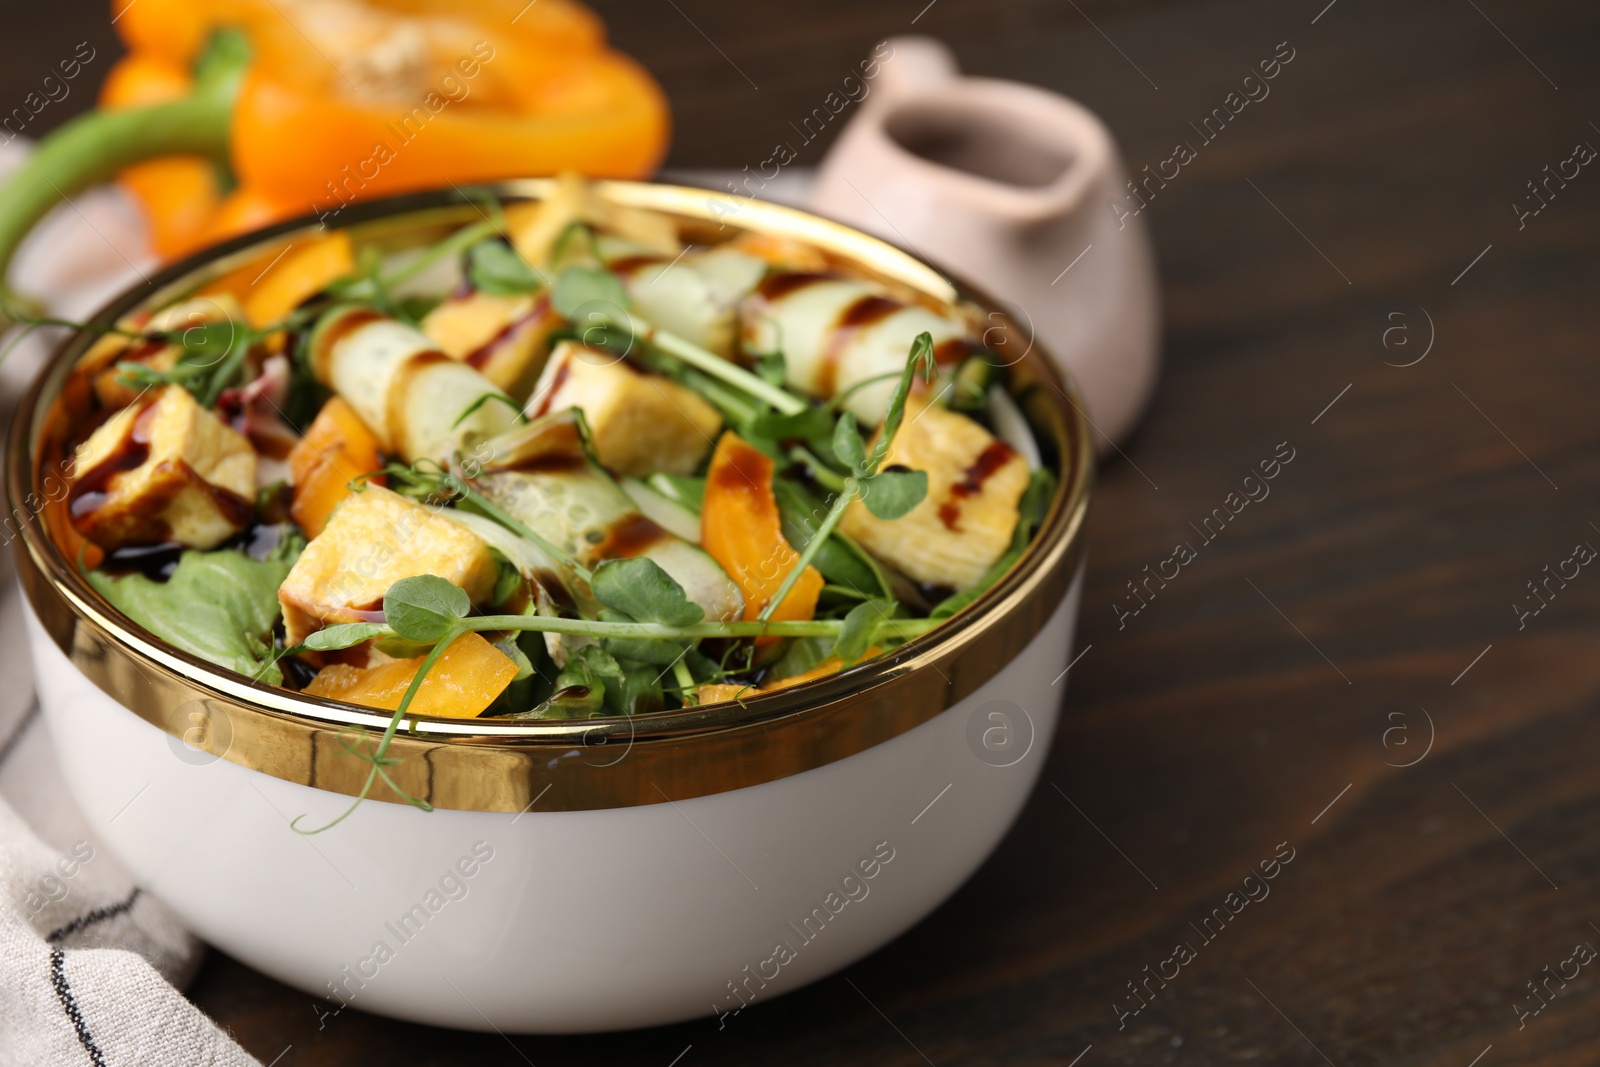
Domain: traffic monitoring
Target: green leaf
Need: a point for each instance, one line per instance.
(972, 380)
(507, 579)
(596, 670)
(495, 268)
(513, 651)
(856, 635)
(220, 606)
(805, 425)
(802, 655)
(578, 286)
(578, 695)
(1035, 502)
(847, 443)
(952, 604)
(640, 589)
(919, 361)
(658, 651)
(576, 244)
(771, 368)
(205, 344)
(401, 648)
(342, 635)
(892, 493)
(838, 559)
(425, 608)
(641, 691)
(291, 542)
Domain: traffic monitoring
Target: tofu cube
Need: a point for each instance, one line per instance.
(163, 469)
(506, 338)
(639, 423)
(966, 521)
(373, 539)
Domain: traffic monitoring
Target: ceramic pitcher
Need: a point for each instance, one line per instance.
(1011, 187)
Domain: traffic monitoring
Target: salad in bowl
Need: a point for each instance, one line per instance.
(612, 537)
(556, 464)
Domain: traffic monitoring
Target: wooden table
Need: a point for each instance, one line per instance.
(1359, 619)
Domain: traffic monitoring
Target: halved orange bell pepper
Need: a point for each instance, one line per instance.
(460, 685)
(313, 106)
(740, 527)
(337, 448)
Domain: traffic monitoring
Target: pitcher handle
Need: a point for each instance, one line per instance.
(911, 64)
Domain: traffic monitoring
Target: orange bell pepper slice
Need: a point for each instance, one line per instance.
(337, 448)
(463, 681)
(741, 529)
(306, 269)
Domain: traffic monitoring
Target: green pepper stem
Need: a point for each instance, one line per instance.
(93, 147)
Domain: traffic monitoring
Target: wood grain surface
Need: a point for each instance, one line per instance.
(1360, 618)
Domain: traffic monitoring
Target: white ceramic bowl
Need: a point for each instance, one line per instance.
(574, 876)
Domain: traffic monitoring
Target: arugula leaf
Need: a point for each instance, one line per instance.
(890, 494)
(1035, 502)
(425, 608)
(803, 654)
(287, 548)
(860, 626)
(220, 606)
(495, 269)
(838, 559)
(578, 286)
(952, 604)
(640, 589)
